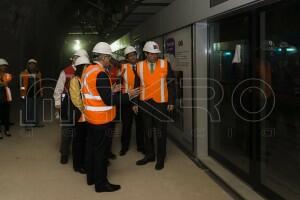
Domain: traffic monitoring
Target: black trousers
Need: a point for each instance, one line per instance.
(31, 110)
(97, 149)
(4, 115)
(67, 132)
(127, 119)
(79, 145)
(67, 126)
(155, 118)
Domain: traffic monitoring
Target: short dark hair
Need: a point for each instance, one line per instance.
(79, 70)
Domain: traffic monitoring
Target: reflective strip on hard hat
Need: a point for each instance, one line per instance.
(98, 109)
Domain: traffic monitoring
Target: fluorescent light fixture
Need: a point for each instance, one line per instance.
(77, 45)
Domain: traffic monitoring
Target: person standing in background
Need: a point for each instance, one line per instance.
(5, 97)
(62, 105)
(31, 92)
(79, 137)
(128, 73)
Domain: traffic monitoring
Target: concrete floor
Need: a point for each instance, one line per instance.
(30, 170)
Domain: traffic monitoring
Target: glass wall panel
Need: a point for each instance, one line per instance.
(229, 66)
(280, 67)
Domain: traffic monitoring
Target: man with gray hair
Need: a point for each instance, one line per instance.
(100, 98)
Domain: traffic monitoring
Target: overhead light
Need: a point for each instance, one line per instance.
(227, 53)
(77, 45)
(292, 49)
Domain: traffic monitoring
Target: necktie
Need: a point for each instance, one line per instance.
(151, 68)
(134, 68)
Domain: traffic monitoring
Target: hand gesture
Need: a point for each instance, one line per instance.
(170, 108)
(132, 93)
(116, 88)
(135, 109)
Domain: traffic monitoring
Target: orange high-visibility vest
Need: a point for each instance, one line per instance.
(6, 78)
(153, 85)
(25, 75)
(128, 77)
(95, 110)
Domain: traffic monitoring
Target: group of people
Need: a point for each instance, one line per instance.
(98, 91)
(30, 90)
(95, 92)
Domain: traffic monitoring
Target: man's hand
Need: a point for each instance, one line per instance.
(170, 108)
(133, 93)
(135, 109)
(116, 88)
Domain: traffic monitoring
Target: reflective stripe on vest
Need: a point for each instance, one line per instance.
(128, 77)
(8, 94)
(25, 75)
(88, 96)
(153, 86)
(141, 74)
(96, 108)
(125, 77)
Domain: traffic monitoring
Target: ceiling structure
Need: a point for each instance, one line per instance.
(46, 29)
(110, 19)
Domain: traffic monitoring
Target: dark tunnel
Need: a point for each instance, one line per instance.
(47, 29)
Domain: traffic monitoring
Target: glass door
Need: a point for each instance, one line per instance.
(279, 67)
(254, 97)
(229, 66)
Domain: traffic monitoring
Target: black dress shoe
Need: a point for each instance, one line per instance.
(159, 165)
(112, 156)
(145, 161)
(123, 152)
(90, 181)
(1, 136)
(7, 133)
(80, 170)
(64, 159)
(107, 188)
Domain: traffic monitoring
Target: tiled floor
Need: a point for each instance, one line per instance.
(30, 170)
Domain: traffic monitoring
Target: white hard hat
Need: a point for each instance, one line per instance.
(82, 60)
(3, 61)
(151, 47)
(81, 52)
(129, 50)
(120, 58)
(32, 61)
(103, 48)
